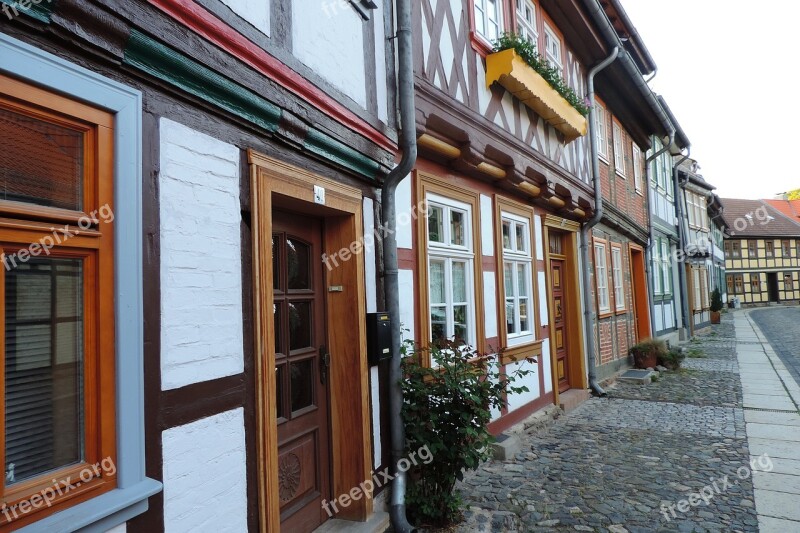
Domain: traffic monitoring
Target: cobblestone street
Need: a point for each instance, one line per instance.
(624, 463)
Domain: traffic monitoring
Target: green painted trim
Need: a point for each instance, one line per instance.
(326, 146)
(41, 11)
(147, 54)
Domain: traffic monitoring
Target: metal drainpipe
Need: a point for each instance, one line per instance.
(650, 281)
(588, 315)
(408, 145)
(682, 239)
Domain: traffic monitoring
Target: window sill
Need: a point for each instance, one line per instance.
(515, 354)
(603, 158)
(604, 314)
(620, 173)
(621, 311)
(102, 513)
(480, 44)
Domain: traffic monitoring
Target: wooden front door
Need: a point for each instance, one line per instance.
(301, 372)
(557, 272)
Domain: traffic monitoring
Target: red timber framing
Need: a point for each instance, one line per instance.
(198, 19)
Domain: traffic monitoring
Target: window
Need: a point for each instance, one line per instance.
(770, 248)
(450, 270)
(657, 286)
(697, 210)
(637, 168)
(488, 19)
(59, 333)
(733, 249)
(552, 47)
(619, 156)
(787, 248)
(602, 132)
(755, 283)
(752, 249)
(787, 282)
(666, 267)
(729, 283)
(704, 293)
(601, 277)
(526, 21)
(797, 253)
(619, 287)
(697, 300)
(517, 278)
(738, 284)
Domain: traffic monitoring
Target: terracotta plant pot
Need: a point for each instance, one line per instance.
(645, 360)
(716, 317)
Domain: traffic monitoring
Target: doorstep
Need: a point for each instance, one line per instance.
(377, 523)
(571, 399)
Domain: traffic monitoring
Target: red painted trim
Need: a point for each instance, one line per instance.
(518, 415)
(202, 22)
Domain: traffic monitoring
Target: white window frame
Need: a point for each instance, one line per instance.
(601, 277)
(698, 295)
(616, 273)
(551, 36)
(602, 131)
(484, 21)
(451, 254)
(637, 169)
(657, 285)
(619, 153)
(524, 27)
(666, 267)
(515, 258)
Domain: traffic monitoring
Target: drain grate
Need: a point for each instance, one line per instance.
(769, 410)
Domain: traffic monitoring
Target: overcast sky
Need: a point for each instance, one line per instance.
(729, 71)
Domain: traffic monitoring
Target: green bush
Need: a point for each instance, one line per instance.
(552, 75)
(447, 408)
(672, 359)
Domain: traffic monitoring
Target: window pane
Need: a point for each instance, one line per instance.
(436, 282)
(521, 245)
(460, 323)
(302, 387)
(524, 322)
(508, 279)
(276, 269)
(457, 228)
(438, 323)
(507, 235)
(278, 314)
(511, 317)
(300, 325)
(298, 264)
(40, 163)
(435, 224)
(522, 271)
(43, 364)
(280, 388)
(459, 282)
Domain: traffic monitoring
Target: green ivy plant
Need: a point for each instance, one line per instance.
(552, 75)
(447, 408)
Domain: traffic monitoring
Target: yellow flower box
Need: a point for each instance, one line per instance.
(521, 80)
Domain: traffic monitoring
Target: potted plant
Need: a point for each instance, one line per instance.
(716, 306)
(647, 353)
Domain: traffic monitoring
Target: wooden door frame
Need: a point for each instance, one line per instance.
(350, 426)
(577, 359)
(640, 296)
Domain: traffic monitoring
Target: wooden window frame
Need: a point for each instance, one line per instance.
(729, 284)
(425, 184)
(549, 30)
(514, 11)
(517, 351)
(752, 249)
(24, 224)
(602, 130)
(619, 309)
(738, 284)
(769, 249)
(598, 243)
(755, 283)
(786, 248)
(481, 43)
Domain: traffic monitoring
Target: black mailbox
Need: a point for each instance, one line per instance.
(379, 337)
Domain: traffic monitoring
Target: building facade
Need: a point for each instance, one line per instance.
(193, 364)
(762, 253)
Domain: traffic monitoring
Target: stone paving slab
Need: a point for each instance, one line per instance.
(768, 524)
(785, 466)
(775, 432)
(763, 417)
(778, 505)
(776, 482)
(775, 448)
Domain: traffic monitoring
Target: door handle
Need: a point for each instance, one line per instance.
(324, 364)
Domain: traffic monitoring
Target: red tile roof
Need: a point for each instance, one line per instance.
(790, 208)
(757, 218)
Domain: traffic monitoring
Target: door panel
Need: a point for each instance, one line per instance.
(559, 322)
(302, 390)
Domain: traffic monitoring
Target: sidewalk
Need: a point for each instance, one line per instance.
(771, 398)
(642, 459)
